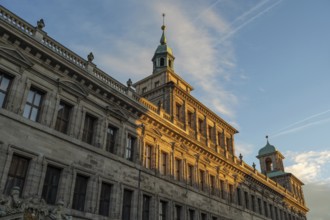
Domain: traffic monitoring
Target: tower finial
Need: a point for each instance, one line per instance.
(267, 138)
(163, 38)
(163, 19)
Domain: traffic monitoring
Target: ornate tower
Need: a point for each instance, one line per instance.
(163, 58)
(271, 160)
(158, 87)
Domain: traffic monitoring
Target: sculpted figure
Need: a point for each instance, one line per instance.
(11, 204)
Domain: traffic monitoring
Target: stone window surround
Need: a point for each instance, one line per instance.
(29, 173)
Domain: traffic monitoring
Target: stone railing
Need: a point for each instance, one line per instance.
(63, 52)
(105, 78)
(16, 22)
(148, 104)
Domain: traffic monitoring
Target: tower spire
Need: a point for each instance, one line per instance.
(163, 38)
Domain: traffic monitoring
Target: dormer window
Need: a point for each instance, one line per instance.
(162, 61)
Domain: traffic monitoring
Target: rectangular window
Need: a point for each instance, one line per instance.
(266, 209)
(246, 200)
(105, 196)
(214, 218)
(148, 156)
(144, 90)
(177, 167)
(146, 207)
(212, 184)
(191, 214)
(130, 147)
(238, 194)
(221, 139)
(200, 126)
(253, 201)
(63, 117)
(111, 139)
(127, 204)
(156, 84)
(231, 193)
(178, 112)
(177, 212)
(88, 131)
(32, 107)
(162, 210)
(276, 213)
(49, 191)
(259, 206)
(222, 187)
(190, 117)
(203, 216)
(271, 211)
(79, 195)
(5, 82)
(202, 179)
(17, 174)
(210, 133)
(229, 145)
(163, 163)
(190, 174)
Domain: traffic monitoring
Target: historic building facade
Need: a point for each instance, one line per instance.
(77, 144)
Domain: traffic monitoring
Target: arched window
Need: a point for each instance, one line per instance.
(269, 164)
(162, 61)
(170, 63)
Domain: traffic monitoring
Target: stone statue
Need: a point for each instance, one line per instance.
(12, 203)
(40, 24)
(90, 57)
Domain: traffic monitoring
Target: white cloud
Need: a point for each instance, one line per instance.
(244, 148)
(311, 166)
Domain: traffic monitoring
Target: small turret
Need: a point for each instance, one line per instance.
(163, 58)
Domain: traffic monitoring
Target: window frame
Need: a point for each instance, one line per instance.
(14, 175)
(60, 119)
(146, 201)
(89, 128)
(177, 168)
(131, 142)
(127, 204)
(148, 150)
(30, 106)
(45, 195)
(111, 139)
(163, 163)
(5, 91)
(105, 201)
(81, 193)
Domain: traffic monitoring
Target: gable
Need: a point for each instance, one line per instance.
(15, 56)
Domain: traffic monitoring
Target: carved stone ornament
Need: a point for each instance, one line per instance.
(32, 208)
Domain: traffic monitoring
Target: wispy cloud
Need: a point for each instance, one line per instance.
(315, 119)
(248, 16)
(199, 35)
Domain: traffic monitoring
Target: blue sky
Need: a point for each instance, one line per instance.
(262, 65)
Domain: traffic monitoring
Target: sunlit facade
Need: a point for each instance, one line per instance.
(77, 144)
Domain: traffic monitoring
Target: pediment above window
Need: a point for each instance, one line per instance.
(15, 56)
(73, 88)
(117, 113)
